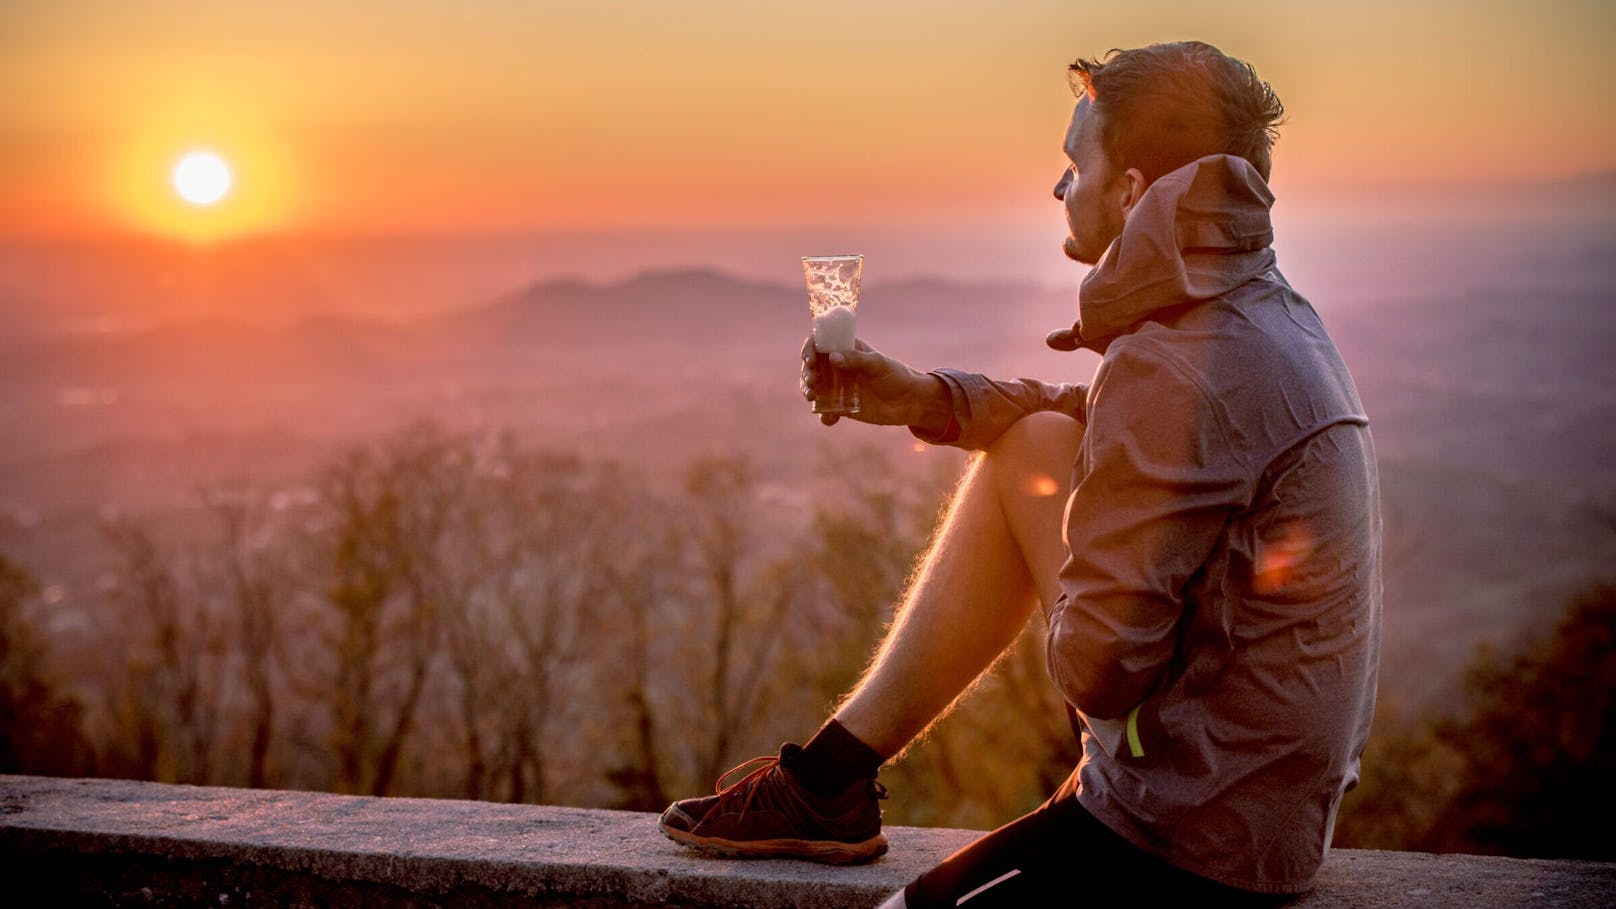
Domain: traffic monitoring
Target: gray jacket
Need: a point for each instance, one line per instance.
(1219, 622)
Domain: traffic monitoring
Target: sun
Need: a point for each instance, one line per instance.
(200, 167)
(201, 178)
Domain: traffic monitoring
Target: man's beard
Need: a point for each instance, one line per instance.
(1070, 248)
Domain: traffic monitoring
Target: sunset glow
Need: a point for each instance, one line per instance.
(474, 116)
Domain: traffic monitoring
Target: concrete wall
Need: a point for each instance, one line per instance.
(73, 842)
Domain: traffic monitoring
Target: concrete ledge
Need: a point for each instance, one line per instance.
(114, 842)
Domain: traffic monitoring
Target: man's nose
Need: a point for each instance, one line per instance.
(1062, 185)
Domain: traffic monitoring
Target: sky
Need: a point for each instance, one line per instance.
(366, 117)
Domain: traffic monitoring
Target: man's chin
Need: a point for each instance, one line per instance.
(1073, 252)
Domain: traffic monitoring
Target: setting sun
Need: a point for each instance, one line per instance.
(201, 178)
(191, 163)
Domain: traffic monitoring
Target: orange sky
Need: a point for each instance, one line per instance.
(375, 116)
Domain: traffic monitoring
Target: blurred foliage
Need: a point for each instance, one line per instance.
(40, 728)
(1529, 770)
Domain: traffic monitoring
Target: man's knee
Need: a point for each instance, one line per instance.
(1046, 440)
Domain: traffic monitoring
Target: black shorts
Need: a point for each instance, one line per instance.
(1060, 855)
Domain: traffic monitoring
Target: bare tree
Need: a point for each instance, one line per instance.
(255, 586)
(165, 705)
(741, 597)
(387, 510)
(563, 526)
(641, 571)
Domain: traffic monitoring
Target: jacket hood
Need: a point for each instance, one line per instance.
(1196, 234)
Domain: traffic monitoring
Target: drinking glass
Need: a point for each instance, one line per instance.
(833, 295)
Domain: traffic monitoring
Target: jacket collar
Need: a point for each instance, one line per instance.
(1196, 234)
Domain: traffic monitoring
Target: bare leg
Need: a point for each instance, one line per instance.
(999, 551)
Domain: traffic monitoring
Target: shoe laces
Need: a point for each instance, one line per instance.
(761, 763)
(757, 767)
(752, 781)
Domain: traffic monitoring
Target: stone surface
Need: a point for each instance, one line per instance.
(115, 842)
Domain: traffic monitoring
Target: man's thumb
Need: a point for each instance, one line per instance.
(856, 360)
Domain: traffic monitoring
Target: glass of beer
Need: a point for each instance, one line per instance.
(833, 295)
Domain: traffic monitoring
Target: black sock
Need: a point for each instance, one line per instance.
(833, 759)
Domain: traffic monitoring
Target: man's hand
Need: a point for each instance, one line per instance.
(891, 393)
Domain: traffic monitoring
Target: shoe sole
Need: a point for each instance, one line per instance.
(828, 852)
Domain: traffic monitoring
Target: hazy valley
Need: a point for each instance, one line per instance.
(1491, 395)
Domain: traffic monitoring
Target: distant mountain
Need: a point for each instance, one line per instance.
(1516, 377)
(691, 310)
(571, 323)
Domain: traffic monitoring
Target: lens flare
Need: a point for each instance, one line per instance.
(1042, 486)
(1279, 561)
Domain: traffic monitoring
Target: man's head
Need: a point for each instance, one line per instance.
(1146, 112)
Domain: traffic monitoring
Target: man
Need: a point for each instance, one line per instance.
(1214, 607)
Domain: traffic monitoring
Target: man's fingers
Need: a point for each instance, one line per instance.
(868, 363)
(862, 359)
(856, 360)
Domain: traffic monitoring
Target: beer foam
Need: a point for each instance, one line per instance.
(834, 329)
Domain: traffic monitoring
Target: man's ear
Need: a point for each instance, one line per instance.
(1133, 187)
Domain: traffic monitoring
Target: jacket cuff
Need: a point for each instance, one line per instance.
(972, 395)
(958, 403)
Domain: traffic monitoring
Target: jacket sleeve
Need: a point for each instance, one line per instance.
(984, 408)
(1158, 482)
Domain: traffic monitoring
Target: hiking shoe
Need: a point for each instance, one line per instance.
(768, 812)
